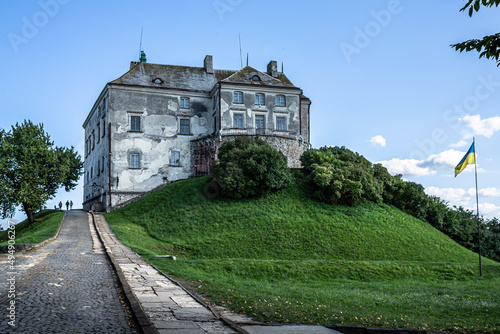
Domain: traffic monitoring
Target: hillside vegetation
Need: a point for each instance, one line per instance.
(289, 258)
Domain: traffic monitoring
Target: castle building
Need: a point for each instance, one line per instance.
(160, 123)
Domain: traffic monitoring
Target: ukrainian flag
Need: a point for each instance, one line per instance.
(469, 158)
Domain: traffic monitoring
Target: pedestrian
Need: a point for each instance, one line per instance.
(60, 205)
(71, 205)
(67, 205)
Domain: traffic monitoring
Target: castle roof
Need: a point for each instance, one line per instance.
(195, 78)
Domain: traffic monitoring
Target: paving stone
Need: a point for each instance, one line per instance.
(65, 287)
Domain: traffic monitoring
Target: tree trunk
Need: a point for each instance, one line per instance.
(29, 213)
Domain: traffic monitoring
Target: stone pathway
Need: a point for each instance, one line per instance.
(167, 307)
(170, 309)
(63, 287)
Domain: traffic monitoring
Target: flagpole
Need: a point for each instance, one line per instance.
(477, 205)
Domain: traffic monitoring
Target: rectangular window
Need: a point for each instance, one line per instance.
(281, 123)
(98, 167)
(98, 132)
(238, 121)
(104, 107)
(238, 97)
(259, 99)
(175, 158)
(260, 123)
(184, 103)
(185, 128)
(135, 123)
(102, 165)
(103, 129)
(280, 101)
(134, 161)
(93, 139)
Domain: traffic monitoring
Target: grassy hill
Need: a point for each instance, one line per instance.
(46, 225)
(286, 257)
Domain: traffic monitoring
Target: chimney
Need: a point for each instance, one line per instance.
(272, 68)
(208, 64)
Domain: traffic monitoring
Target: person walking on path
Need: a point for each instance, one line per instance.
(60, 205)
(71, 205)
(67, 205)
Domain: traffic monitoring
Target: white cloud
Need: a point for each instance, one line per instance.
(445, 160)
(407, 167)
(486, 127)
(490, 192)
(456, 196)
(489, 210)
(378, 140)
(467, 199)
(461, 143)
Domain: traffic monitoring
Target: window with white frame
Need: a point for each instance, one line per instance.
(185, 103)
(135, 160)
(281, 123)
(175, 158)
(280, 101)
(238, 97)
(260, 123)
(135, 123)
(238, 121)
(259, 99)
(185, 127)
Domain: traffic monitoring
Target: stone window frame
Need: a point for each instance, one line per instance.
(182, 127)
(104, 106)
(255, 122)
(175, 158)
(239, 114)
(98, 132)
(141, 121)
(258, 101)
(280, 101)
(134, 156)
(284, 122)
(238, 97)
(185, 103)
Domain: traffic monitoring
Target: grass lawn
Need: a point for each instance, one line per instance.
(45, 227)
(287, 258)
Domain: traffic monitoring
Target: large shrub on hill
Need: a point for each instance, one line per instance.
(340, 176)
(250, 167)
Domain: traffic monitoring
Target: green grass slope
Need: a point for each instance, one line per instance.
(46, 225)
(287, 258)
(284, 226)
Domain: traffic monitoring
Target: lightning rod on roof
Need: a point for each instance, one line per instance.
(142, 54)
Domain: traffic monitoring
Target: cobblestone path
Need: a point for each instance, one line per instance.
(63, 287)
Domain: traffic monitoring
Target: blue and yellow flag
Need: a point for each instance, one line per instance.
(469, 158)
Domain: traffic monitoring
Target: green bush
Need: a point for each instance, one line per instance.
(340, 176)
(249, 167)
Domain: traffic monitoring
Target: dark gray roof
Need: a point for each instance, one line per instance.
(194, 78)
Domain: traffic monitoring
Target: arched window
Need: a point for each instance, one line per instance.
(255, 78)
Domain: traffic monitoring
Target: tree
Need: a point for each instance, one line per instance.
(250, 167)
(489, 46)
(32, 169)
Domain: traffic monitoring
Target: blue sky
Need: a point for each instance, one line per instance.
(381, 75)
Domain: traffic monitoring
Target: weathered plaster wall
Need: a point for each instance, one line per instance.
(160, 116)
